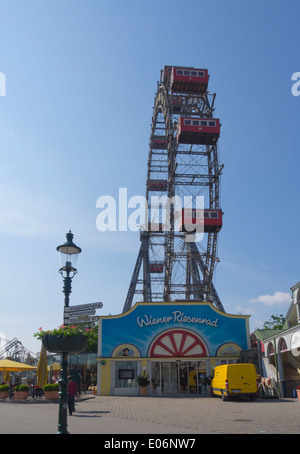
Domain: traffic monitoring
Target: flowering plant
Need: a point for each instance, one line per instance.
(72, 330)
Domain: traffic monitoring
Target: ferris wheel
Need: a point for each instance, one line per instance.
(178, 252)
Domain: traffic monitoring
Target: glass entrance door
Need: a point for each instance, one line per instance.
(169, 378)
(202, 385)
(180, 377)
(183, 377)
(165, 378)
(197, 377)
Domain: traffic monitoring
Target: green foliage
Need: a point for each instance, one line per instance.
(51, 387)
(21, 388)
(4, 388)
(276, 322)
(143, 381)
(88, 330)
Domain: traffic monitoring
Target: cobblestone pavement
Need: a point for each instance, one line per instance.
(156, 415)
(204, 414)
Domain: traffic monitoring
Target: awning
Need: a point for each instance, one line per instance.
(8, 365)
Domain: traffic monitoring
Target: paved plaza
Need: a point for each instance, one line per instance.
(155, 415)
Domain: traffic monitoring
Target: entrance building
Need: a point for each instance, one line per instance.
(176, 345)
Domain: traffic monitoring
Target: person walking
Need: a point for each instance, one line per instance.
(72, 391)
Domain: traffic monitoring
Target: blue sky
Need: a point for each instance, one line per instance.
(75, 124)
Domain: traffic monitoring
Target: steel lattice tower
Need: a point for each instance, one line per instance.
(169, 266)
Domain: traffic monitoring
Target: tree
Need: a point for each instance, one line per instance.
(275, 322)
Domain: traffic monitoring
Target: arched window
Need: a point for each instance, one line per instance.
(282, 347)
(270, 349)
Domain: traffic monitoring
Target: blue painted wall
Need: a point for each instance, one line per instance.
(145, 321)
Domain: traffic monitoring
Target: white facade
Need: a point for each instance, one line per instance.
(282, 348)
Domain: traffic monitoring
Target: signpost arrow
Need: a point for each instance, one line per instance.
(80, 313)
(82, 307)
(72, 320)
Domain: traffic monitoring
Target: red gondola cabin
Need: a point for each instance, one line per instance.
(210, 219)
(159, 142)
(157, 185)
(156, 267)
(188, 80)
(201, 131)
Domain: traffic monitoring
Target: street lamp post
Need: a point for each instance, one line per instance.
(69, 253)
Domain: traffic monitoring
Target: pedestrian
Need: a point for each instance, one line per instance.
(72, 391)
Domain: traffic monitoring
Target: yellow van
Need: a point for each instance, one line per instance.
(231, 380)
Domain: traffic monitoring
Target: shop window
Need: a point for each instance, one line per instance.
(76, 359)
(84, 363)
(82, 359)
(126, 374)
(91, 360)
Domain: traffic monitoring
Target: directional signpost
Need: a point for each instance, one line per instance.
(84, 313)
(79, 313)
(84, 319)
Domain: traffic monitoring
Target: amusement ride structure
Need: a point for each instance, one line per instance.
(15, 350)
(178, 252)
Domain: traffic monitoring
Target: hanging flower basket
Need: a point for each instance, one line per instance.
(67, 339)
(60, 344)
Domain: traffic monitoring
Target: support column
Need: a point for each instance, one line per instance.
(63, 395)
(281, 373)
